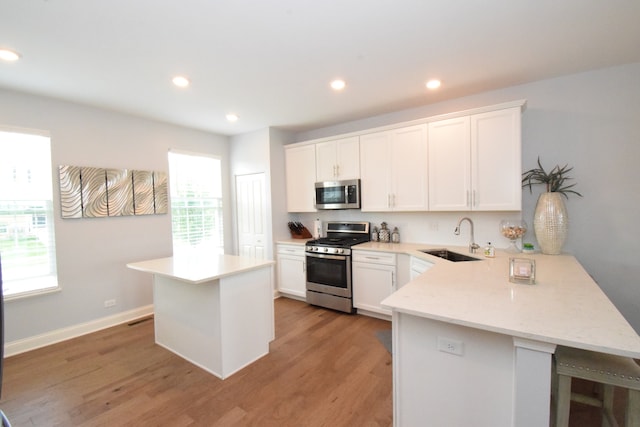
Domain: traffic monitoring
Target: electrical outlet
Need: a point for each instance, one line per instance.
(109, 303)
(449, 345)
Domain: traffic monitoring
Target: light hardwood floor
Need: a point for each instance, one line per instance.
(324, 369)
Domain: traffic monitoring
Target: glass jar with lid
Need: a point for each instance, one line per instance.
(384, 235)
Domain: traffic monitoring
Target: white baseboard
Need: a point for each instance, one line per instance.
(27, 344)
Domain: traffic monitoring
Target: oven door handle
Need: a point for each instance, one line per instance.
(326, 256)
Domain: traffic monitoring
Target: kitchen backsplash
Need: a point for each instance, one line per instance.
(428, 227)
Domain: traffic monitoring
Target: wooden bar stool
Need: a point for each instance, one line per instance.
(608, 370)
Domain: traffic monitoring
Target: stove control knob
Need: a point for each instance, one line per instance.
(326, 249)
(340, 251)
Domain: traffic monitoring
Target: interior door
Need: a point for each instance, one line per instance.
(251, 205)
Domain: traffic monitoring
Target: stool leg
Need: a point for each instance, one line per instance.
(607, 406)
(563, 400)
(633, 409)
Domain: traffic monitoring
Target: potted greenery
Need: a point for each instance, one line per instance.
(550, 218)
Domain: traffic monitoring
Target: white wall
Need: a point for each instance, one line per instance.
(589, 120)
(92, 252)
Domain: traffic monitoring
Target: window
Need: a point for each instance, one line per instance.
(195, 183)
(27, 240)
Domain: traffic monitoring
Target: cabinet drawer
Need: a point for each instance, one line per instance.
(374, 257)
(291, 249)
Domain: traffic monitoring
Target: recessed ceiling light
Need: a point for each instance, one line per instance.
(338, 84)
(9, 55)
(232, 117)
(433, 84)
(181, 81)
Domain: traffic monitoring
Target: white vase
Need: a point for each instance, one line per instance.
(551, 223)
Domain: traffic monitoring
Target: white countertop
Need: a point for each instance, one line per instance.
(200, 268)
(564, 307)
(292, 241)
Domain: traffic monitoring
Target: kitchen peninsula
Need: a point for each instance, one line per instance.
(464, 337)
(215, 311)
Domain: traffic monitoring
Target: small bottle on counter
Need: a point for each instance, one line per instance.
(489, 250)
(395, 235)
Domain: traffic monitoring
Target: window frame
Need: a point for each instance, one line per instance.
(216, 204)
(45, 283)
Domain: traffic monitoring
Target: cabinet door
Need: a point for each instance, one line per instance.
(338, 160)
(375, 172)
(326, 161)
(292, 275)
(301, 177)
(449, 165)
(371, 284)
(348, 158)
(409, 166)
(496, 163)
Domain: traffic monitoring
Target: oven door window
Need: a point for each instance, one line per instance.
(328, 271)
(330, 195)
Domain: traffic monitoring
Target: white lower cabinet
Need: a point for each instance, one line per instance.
(374, 279)
(292, 273)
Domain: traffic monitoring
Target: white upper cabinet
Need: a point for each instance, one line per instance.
(475, 162)
(393, 170)
(300, 167)
(450, 164)
(496, 160)
(338, 160)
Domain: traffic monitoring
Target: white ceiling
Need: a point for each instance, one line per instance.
(270, 61)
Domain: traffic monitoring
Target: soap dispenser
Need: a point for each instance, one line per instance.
(489, 250)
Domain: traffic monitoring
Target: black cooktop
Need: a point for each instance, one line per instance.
(339, 241)
(343, 235)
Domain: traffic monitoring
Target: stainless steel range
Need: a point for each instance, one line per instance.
(329, 265)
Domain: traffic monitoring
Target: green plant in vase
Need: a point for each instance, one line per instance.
(555, 180)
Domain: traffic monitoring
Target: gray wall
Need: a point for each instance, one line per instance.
(92, 252)
(591, 121)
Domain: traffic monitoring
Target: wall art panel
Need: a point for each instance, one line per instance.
(119, 192)
(94, 193)
(160, 192)
(70, 191)
(143, 193)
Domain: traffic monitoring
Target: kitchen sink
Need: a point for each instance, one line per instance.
(448, 255)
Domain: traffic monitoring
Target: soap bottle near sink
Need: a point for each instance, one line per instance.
(489, 250)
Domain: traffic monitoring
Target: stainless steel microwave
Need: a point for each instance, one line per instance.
(338, 194)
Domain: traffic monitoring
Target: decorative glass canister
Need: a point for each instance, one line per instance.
(384, 234)
(374, 234)
(395, 235)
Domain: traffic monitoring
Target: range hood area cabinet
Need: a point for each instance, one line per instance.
(475, 162)
(338, 159)
(393, 170)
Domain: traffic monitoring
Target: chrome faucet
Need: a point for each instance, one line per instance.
(473, 246)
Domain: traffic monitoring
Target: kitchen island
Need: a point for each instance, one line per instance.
(215, 311)
(472, 348)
